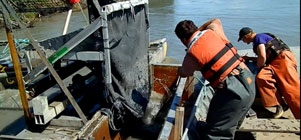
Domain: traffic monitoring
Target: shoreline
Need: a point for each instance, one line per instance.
(30, 18)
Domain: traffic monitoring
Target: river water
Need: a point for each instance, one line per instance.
(279, 17)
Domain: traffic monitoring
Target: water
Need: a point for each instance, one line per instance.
(51, 26)
(279, 17)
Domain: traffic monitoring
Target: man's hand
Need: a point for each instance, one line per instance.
(247, 58)
(181, 73)
(235, 72)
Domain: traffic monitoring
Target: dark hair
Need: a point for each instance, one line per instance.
(185, 29)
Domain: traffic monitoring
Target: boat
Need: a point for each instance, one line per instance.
(88, 95)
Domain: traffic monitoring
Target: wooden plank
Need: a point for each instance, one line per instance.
(8, 137)
(18, 73)
(163, 82)
(188, 89)
(164, 78)
(67, 121)
(103, 131)
(179, 120)
(271, 125)
(97, 128)
(168, 124)
(90, 125)
(117, 137)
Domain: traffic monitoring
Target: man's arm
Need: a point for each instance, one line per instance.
(261, 56)
(189, 65)
(216, 26)
(248, 58)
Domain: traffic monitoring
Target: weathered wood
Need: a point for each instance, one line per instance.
(97, 128)
(117, 137)
(10, 137)
(86, 130)
(18, 72)
(165, 77)
(188, 89)
(102, 131)
(179, 120)
(162, 82)
(168, 125)
(271, 125)
(67, 121)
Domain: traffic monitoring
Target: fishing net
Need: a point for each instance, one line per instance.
(129, 41)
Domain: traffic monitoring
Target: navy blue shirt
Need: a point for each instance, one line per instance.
(260, 39)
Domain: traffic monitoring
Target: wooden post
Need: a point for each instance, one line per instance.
(178, 128)
(18, 72)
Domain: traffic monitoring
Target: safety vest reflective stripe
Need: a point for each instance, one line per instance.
(194, 39)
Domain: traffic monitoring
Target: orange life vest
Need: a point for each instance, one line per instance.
(217, 57)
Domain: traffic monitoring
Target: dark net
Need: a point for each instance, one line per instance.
(129, 41)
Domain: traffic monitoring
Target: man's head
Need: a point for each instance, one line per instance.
(184, 30)
(246, 35)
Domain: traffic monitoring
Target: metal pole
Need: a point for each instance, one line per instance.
(106, 44)
(18, 73)
(67, 22)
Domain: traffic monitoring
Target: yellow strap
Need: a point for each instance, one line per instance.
(2, 68)
(10, 82)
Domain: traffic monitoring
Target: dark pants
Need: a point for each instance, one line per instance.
(229, 106)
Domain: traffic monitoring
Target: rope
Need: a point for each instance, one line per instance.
(19, 44)
(5, 54)
(204, 89)
(169, 94)
(82, 11)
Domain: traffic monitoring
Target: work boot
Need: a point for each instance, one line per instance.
(279, 112)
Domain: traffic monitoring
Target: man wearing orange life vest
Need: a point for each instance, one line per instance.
(278, 76)
(209, 51)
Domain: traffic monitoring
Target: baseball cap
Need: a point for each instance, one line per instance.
(244, 31)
